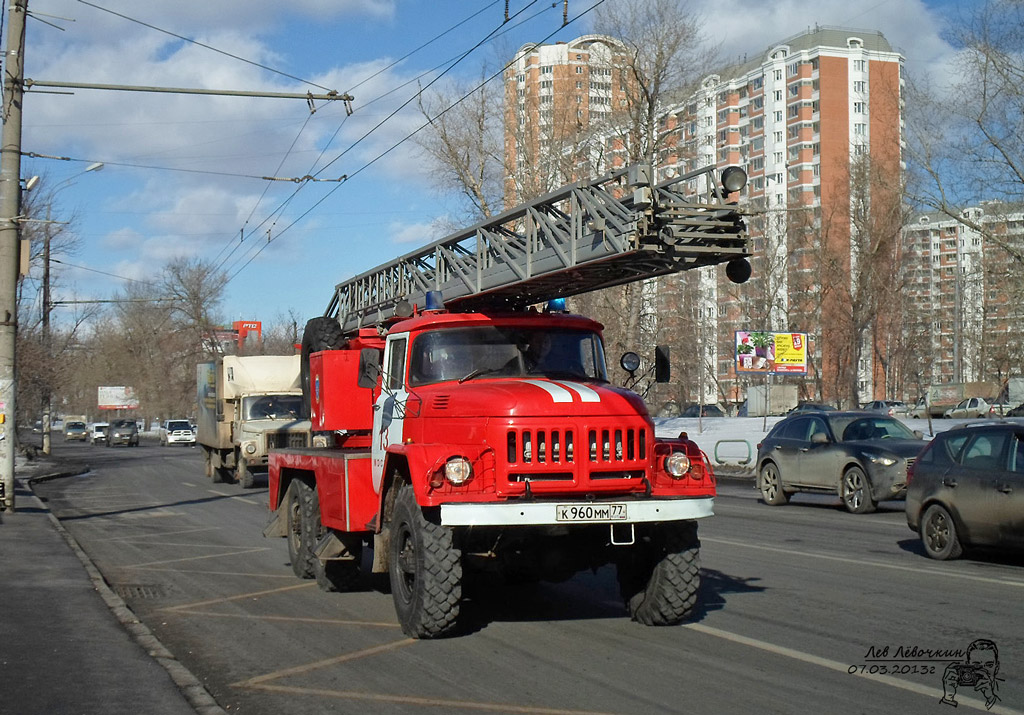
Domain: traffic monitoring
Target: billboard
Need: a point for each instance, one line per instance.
(117, 398)
(761, 352)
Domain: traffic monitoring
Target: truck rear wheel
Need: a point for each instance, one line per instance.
(296, 505)
(660, 579)
(333, 574)
(425, 570)
(323, 333)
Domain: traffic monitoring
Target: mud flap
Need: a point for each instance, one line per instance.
(278, 525)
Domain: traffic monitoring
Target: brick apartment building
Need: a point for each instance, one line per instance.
(816, 122)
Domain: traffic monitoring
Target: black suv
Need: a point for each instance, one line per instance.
(967, 489)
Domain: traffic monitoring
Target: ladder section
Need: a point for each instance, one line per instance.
(580, 238)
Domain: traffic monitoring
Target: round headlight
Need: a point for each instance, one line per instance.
(458, 470)
(630, 362)
(677, 465)
(250, 448)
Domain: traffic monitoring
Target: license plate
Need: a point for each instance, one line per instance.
(590, 512)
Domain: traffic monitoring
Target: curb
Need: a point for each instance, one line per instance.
(190, 686)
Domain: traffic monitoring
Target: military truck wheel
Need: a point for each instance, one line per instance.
(244, 475)
(660, 578)
(425, 570)
(296, 506)
(323, 333)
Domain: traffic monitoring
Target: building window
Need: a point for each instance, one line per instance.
(860, 65)
(778, 75)
(794, 90)
(778, 95)
(546, 69)
(860, 129)
(778, 116)
(858, 107)
(778, 137)
(859, 86)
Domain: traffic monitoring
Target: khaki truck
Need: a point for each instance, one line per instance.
(247, 405)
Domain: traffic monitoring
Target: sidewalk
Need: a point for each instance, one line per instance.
(67, 642)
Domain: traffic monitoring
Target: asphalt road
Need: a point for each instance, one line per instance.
(805, 608)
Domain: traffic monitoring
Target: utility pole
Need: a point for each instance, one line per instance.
(10, 210)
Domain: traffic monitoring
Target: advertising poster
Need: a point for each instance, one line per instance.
(117, 398)
(761, 352)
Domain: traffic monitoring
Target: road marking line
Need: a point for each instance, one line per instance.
(188, 484)
(220, 573)
(429, 702)
(196, 558)
(164, 533)
(839, 667)
(253, 594)
(865, 562)
(317, 665)
(285, 619)
(263, 682)
(236, 497)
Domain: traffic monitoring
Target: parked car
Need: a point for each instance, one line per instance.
(999, 408)
(971, 408)
(967, 489)
(892, 408)
(76, 430)
(920, 410)
(124, 432)
(98, 432)
(703, 411)
(177, 432)
(811, 407)
(860, 456)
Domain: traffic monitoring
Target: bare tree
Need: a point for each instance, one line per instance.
(194, 289)
(965, 141)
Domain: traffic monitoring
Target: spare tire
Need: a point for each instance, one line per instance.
(321, 333)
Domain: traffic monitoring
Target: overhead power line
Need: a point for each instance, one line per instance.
(203, 45)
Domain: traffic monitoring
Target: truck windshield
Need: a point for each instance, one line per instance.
(272, 407)
(505, 351)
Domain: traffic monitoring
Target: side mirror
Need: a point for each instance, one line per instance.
(819, 438)
(662, 366)
(369, 367)
(919, 434)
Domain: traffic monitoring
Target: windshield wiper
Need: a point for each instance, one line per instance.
(478, 372)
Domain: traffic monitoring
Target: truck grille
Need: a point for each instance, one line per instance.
(285, 440)
(551, 455)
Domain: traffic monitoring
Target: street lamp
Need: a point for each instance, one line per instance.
(47, 304)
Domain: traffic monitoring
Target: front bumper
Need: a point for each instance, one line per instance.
(546, 513)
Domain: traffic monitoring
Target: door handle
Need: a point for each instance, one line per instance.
(1004, 488)
(949, 482)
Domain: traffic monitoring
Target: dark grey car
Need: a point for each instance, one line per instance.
(967, 489)
(124, 432)
(860, 456)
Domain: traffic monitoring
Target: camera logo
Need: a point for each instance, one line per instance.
(978, 673)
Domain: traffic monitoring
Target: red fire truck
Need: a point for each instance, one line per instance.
(457, 426)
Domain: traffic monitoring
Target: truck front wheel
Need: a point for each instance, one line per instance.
(244, 475)
(425, 570)
(660, 577)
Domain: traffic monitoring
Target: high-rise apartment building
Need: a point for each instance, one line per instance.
(816, 122)
(967, 300)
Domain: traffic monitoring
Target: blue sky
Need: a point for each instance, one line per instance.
(175, 180)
